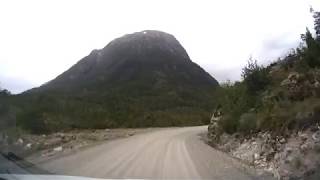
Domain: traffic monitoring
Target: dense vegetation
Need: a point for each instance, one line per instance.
(279, 97)
(53, 112)
(4, 109)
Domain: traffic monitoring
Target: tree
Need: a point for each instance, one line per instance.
(234, 100)
(255, 77)
(312, 50)
(4, 92)
(316, 16)
(7, 118)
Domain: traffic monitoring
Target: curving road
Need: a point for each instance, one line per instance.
(167, 153)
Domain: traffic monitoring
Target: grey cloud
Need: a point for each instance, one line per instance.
(280, 42)
(15, 85)
(222, 75)
(275, 47)
(270, 49)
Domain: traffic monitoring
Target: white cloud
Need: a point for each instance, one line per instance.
(41, 39)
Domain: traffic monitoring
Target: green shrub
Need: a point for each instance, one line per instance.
(33, 121)
(275, 108)
(278, 120)
(247, 122)
(229, 124)
(311, 52)
(255, 77)
(288, 115)
(234, 100)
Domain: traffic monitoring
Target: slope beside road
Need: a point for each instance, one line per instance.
(166, 153)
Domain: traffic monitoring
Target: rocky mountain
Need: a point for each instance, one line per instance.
(147, 58)
(140, 79)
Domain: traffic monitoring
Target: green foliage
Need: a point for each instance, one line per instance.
(46, 113)
(311, 53)
(229, 124)
(234, 100)
(239, 98)
(4, 92)
(247, 122)
(316, 16)
(260, 102)
(288, 115)
(275, 118)
(255, 77)
(7, 116)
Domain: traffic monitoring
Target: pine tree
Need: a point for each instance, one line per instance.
(312, 51)
(316, 16)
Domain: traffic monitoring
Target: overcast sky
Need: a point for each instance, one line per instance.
(41, 39)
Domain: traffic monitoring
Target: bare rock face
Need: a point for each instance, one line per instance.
(302, 86)
(214, 130)
(293, 157)
(153, 56)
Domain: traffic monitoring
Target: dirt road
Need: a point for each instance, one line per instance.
(166, 153)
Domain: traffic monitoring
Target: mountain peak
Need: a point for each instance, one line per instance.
(140, 79)
(147, 42)
(126, 57)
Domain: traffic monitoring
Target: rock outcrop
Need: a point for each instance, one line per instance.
(301, 86)
(214, 131)
(293, 157)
